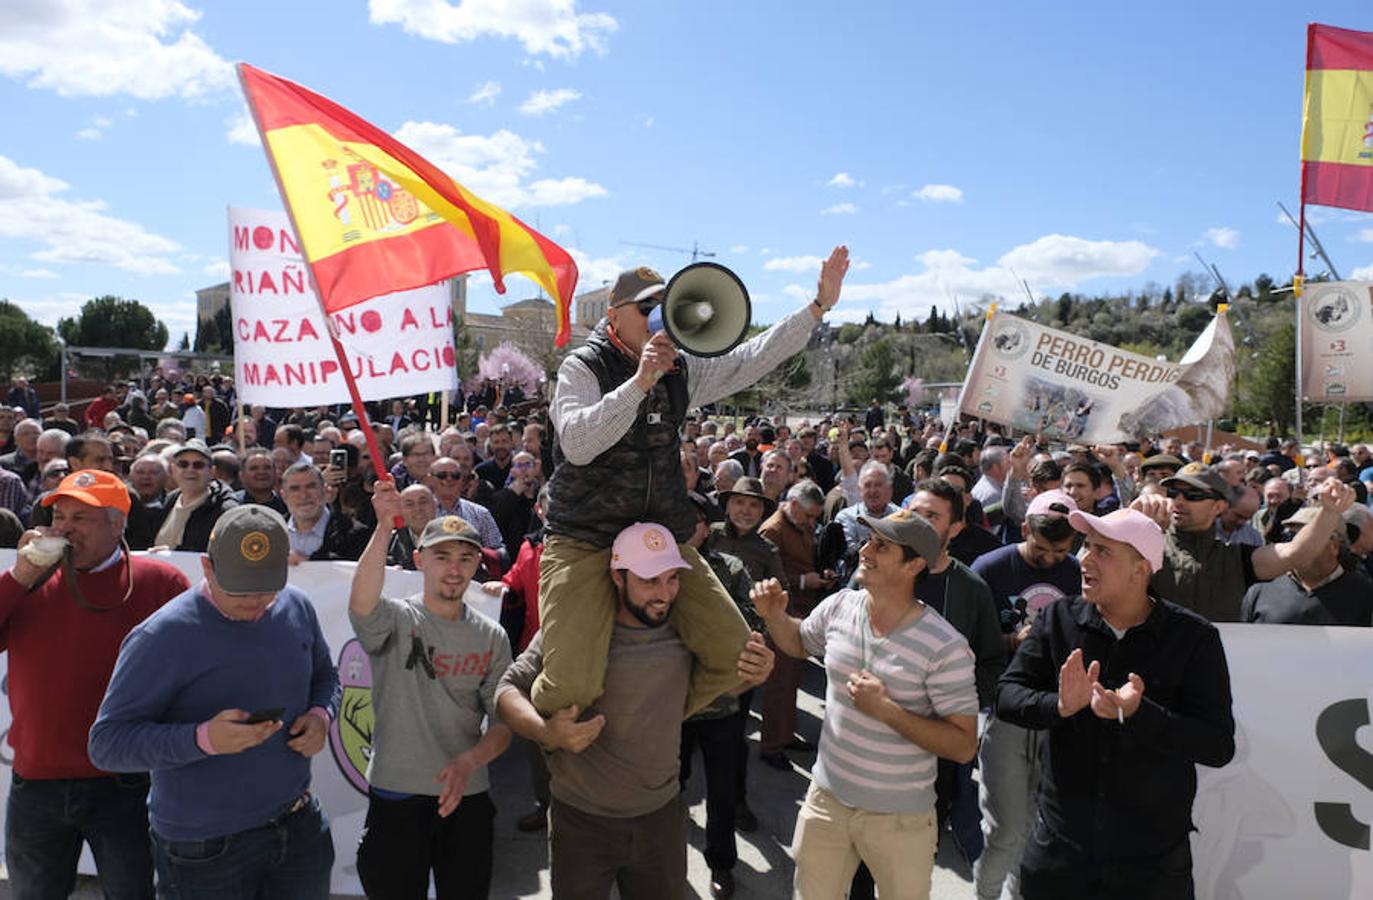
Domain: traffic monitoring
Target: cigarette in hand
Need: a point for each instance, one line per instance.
(1120, 715)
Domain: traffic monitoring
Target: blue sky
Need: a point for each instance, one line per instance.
(1077, 146)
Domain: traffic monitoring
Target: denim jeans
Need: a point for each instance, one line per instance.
(289, 858)
(1009, 759)
(46, 821)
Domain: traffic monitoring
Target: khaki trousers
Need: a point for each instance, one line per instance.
(831, 838)
(577, 607)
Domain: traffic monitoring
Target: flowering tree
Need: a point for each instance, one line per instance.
(506, 361)
(914, 391)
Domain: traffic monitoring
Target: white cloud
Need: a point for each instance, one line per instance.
(96, 130)
(496, 166)
(799, 292)
(542, 102)
(738, 248)
(486, 93)
(939, 193)
(1363, 236)
(242, 130)
(79, 48)
(793, 264)
(1223, 237)
(1059, 259)
(38, 273)
(1053, 261)
(75, 231)
(219, 268)
(839, 209)
(593, 271)
(551, 27)
(1363, 273)
(858, 265)
(841, 180)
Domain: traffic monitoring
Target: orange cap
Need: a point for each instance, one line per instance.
(93, 487)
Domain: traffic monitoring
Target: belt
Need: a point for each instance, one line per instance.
(291, 809)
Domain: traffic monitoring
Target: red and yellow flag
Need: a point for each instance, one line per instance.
(374, 217)
(1337, 119)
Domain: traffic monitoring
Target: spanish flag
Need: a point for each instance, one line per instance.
(374, 217)
(1337, 119)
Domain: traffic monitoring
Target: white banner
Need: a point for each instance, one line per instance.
(1288, 817)
(337, 772)
(1337, 341)
(1049, 382)
(398, 344)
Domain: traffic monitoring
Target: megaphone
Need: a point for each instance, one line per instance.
(705, 310)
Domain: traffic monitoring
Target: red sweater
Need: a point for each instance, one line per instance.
(523, 579)
(62, 654)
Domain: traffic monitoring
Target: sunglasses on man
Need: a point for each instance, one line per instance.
(452, 476)
(1191, 495)
(645, 306)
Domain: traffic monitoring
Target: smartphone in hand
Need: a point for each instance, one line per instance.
(264, 715)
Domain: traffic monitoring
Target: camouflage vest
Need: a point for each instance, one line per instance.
(639, 478)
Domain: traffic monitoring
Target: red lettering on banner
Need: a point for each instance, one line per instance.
(281, 330)
(240, 237)
(241, 329)
(371, 370)
(293, 279)
(272, 376)
(326, 368)
(306, 329)
(238, 282)
(287, 243)
(398, 362)
(434, 317)
(449, 358)
(420, 356)
(260, 333)
(407, 320)
(371, 321)
(295, 373)
(265, 283)
(344, 321)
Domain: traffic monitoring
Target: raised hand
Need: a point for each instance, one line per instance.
(832, 278)
(1075, 684)
(1121, 703)
(769, 598)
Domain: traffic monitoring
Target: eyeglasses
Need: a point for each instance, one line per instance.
(1191, 495)
(56, 473)
(448, 476)
(192, 464)
(522, 465)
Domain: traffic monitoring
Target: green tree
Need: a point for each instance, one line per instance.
(216, 334)
(1269, 392)
(25, 346)
(114, 322)
(878, 374)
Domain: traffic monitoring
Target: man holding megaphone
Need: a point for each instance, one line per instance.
(619, 406)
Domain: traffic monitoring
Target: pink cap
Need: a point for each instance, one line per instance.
(1129, 526)
(1043, 504)
(646, 549)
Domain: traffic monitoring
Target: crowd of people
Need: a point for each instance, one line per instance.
(1017, 637)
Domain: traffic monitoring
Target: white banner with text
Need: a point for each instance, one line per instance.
(397, 345)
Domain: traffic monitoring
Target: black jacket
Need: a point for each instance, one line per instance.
(639, 479)
(1123, 791)
(145, 520)
(344, 538)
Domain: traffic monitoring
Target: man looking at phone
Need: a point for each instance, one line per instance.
(316, 531)
(223, 695)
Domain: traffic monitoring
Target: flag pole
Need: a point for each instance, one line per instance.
(972, 367)
(378, 463)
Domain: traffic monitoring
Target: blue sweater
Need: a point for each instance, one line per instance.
(185, 664)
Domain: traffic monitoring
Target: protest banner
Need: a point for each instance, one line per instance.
(1288, 817)
(1061, 386)
(1337, 342)
(397, 345)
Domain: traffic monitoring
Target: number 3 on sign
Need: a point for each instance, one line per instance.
(1337, 346)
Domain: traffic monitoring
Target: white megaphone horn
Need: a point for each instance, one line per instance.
(705, 310)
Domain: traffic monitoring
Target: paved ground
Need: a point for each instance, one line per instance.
(764, 868)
